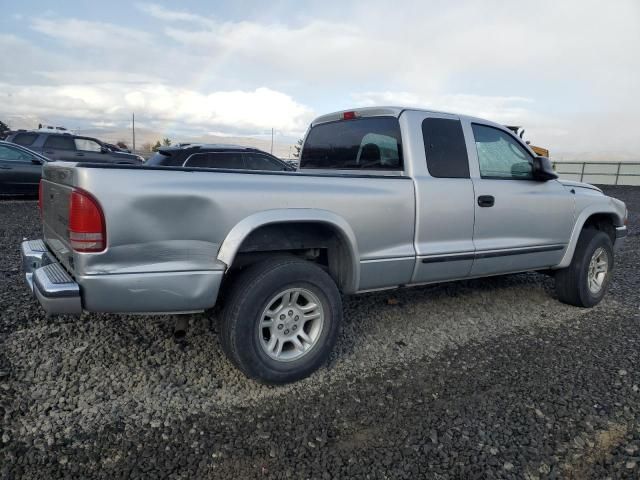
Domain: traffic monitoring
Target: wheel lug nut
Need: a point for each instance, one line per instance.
(297, 318)
(286, 332)
(280, 327)
(294, 327)
(282, 317)
(290, 312)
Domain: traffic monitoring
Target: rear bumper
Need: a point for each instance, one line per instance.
(54, 288)
(154, 293)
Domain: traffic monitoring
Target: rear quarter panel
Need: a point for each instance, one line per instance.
(176, 220)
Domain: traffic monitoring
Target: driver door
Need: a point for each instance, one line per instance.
(520, 223)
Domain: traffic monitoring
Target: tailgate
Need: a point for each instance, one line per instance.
(55, 219)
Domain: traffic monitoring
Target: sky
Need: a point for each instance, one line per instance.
(568, 71)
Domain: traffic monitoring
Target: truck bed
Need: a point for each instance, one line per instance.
(174, 220)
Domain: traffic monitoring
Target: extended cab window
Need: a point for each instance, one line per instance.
(59, 142)
(500, 155)
(444, 148)
(361, 144)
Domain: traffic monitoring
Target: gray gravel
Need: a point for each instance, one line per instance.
(490, 378)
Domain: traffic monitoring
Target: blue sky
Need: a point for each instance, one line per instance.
(567, 70)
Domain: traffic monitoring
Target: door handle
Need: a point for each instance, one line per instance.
(79, 154)
(2, 167)
(486, 200)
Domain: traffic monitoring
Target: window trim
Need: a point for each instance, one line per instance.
(400, 168)
(517, 140)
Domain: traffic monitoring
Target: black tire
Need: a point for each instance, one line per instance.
(246, 299)
(572, 282)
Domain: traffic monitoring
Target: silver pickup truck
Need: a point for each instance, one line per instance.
(385, 197)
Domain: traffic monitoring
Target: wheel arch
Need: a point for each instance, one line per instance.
(345, 264)
(594, 216)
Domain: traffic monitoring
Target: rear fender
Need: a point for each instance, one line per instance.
(233, 241)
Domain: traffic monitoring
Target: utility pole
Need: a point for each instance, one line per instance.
(133, 129)
(272, 141)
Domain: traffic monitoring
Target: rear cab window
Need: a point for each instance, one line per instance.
(371, 143)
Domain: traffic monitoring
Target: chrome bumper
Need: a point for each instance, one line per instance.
(54, 288)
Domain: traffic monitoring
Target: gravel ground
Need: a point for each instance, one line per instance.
(488, 378)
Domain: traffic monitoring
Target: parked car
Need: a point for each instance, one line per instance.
(232, 157)
(20, 169)
(71, 148)
(384, 197)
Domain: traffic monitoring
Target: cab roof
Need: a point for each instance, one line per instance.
(393, 111)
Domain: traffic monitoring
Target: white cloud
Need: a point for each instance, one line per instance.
(238, 111)
(84, 33)
(317, 50)
(162, 13)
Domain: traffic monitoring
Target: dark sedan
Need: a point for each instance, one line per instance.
(20, 169)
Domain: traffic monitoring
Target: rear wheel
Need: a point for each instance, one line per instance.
(281, 319)
(584, 282)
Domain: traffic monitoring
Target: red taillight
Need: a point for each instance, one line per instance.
(348, 115)
(40, 197)
(86, 223)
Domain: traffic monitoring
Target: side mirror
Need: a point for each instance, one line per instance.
(542, 169)
(104, 149)
(36, 161)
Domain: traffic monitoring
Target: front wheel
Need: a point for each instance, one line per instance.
(281, 319)
(584, 282)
